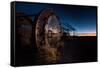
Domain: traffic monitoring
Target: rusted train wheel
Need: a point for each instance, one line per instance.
(47, 36)
(40, 27)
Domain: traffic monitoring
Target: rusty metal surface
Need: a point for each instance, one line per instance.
(24, 30)
(47, 47)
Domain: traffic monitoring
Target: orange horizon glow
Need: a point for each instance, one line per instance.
(87, 34)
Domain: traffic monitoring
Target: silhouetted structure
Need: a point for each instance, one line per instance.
(68, 30)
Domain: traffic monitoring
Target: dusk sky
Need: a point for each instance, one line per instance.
(83, 18)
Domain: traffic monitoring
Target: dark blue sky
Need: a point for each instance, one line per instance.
(83, 18)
